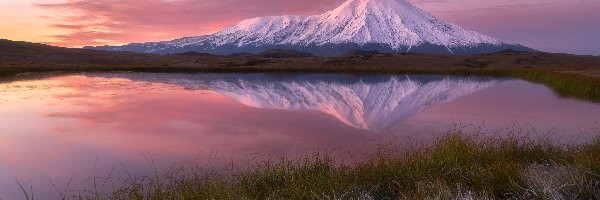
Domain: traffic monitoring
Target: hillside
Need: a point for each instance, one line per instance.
(25, 57)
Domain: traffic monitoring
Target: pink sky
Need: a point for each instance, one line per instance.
(550, 25)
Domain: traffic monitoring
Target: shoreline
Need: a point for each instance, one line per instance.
(565, 85)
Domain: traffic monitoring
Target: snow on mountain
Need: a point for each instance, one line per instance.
(396, 23)
(384, 25)
(374, 103)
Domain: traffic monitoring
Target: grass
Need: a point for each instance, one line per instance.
(457, 165)
(564, 84)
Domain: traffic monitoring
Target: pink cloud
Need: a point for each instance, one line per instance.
(542, 24)
(98, 22)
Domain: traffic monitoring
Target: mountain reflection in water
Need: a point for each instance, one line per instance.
(366, 102)
(79, 126)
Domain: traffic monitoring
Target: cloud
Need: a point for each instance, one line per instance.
(101, 22)
(501, 7)
(97, 22)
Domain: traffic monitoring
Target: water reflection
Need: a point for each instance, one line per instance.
(56, 127)
(367, 102)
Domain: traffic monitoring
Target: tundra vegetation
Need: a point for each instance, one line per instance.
(458, 165)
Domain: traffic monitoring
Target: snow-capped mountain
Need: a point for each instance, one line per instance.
(383, 25)
(368, 102)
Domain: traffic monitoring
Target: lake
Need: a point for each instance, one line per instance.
(57, 128)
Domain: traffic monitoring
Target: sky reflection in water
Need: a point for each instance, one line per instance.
(62, 126)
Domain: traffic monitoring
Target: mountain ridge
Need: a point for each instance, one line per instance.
(381, 25)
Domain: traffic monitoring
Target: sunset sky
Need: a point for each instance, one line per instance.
(570, 26)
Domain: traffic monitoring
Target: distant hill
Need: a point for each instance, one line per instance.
(280, 53)
(10, 48)
(21, 57)
(358, 52)
(15, 53)
(18, 57)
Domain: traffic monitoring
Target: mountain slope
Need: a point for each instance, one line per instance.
(383, 25)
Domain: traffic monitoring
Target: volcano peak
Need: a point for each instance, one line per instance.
(381, 25)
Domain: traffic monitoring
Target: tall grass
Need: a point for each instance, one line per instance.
(457, 165)
(564, 84)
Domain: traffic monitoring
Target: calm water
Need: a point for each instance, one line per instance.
(60, 127)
